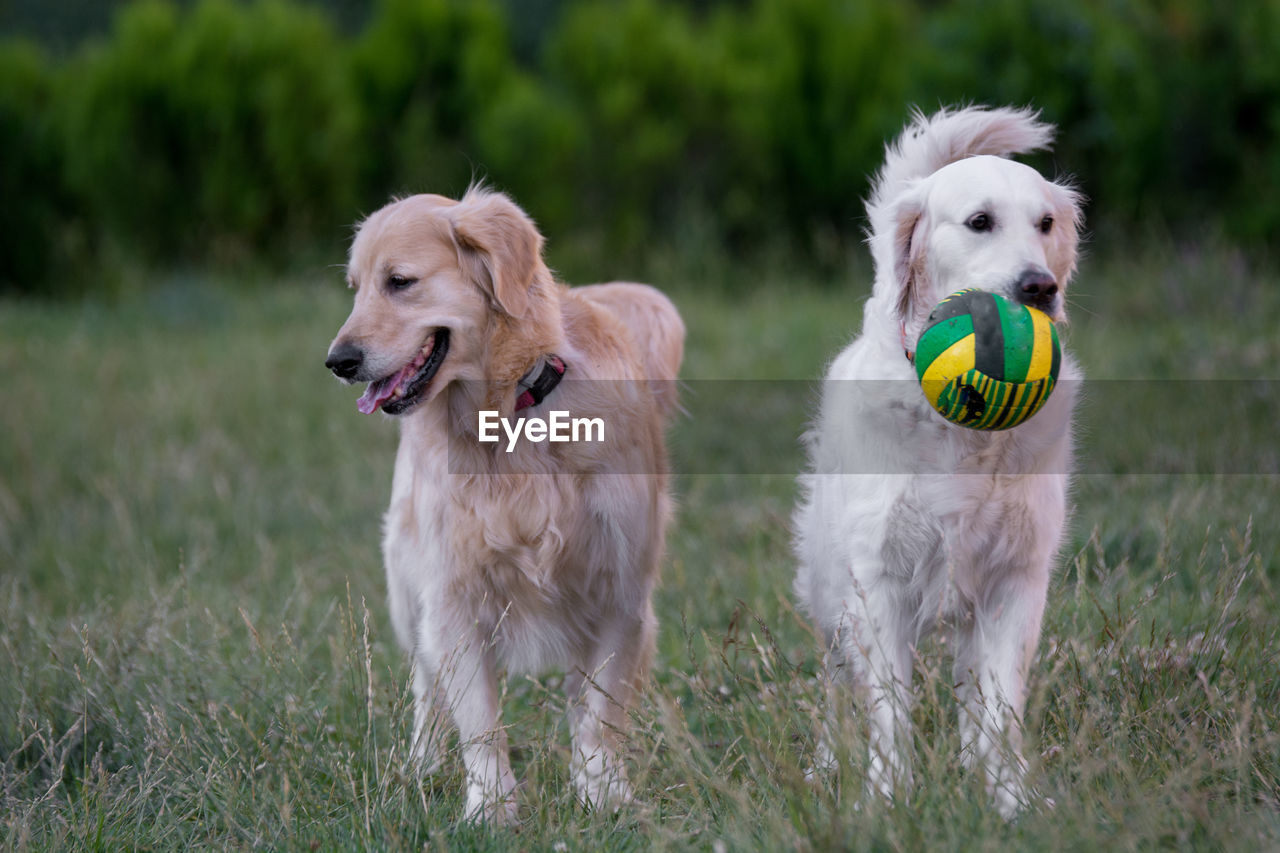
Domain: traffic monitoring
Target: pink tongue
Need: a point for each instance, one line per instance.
(374, 396)
(380, 392)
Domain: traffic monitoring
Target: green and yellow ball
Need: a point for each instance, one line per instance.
(986, 363)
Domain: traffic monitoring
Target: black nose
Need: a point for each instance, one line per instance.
(345, 360)
(1036, 288)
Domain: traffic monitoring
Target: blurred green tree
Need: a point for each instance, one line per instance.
(211, 135)
(224, 130)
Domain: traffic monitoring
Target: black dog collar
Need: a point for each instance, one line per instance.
(534, 388)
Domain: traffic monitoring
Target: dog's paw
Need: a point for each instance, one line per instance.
(607, 790)
(600, 780)
(426, 758)
(1008, 804)
(487, 806)
(824, 764)
(430, 735)
(1012, 803)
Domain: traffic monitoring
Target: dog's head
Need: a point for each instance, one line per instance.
(435, 281)
(984, 222)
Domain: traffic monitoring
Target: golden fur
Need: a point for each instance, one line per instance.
(545, 556)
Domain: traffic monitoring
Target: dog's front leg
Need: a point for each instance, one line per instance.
(429, 723)
(878, 649)
(467, 679)
(993, 653)
(600, 697)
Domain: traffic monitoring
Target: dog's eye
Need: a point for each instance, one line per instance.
(399, 282)
(1046, 225)
(979, 222)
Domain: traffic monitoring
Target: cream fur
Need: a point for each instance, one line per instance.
(906, 520)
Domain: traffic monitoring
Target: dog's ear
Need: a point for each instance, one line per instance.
(909, 229)
(1067, 218)
(498, 247)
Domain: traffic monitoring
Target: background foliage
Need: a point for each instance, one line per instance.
(219, 131)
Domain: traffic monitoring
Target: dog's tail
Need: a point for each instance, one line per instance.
(931, 142)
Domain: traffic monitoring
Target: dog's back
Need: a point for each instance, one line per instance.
(656, 330)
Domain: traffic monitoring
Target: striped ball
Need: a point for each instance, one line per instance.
(985, 363)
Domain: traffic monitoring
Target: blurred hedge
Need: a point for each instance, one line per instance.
(229, 131)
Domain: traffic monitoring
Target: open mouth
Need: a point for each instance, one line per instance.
(398, 392)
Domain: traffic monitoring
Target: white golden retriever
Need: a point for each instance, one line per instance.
(906, 519)
(527, 554)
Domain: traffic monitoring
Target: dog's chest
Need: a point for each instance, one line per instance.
(951, 539)
(529, 559)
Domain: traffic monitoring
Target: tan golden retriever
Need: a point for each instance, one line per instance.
(525, 554)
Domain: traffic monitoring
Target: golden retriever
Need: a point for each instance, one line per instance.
(905, 517)
(525, 554)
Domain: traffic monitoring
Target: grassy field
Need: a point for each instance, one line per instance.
(195, 649)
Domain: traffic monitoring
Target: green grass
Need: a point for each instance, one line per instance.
(195, 647)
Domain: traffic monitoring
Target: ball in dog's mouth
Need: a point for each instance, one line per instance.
(398, 392)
